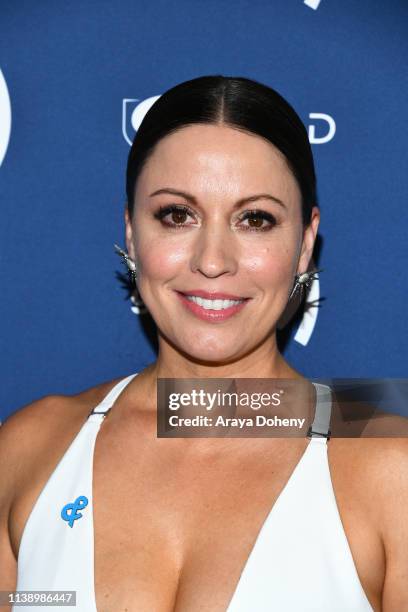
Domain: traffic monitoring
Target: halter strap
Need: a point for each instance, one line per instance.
(108, 401)
(321, 423)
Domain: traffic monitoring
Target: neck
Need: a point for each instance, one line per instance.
(263, 362)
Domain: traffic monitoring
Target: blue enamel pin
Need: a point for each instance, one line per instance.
(70, 512)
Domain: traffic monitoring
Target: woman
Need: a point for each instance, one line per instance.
(221, 205)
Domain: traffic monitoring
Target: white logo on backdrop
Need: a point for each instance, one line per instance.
(133, 112)
(314, 4)
(330, 127)
(5, 117)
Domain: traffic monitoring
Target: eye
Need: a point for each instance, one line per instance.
(178, 214)
(256, 218)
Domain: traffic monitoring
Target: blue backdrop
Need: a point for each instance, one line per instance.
(75, 79)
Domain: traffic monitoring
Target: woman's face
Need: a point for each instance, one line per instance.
(237, 230)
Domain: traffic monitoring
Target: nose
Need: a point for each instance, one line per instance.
(214, 252)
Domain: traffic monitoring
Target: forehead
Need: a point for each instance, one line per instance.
(218, 158)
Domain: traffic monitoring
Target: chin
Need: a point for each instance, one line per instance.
(211, 353)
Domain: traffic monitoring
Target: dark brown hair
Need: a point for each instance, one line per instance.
(243, 104)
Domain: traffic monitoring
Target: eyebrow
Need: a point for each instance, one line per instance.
(237, 204)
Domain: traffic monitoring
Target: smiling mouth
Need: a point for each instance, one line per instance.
(212, 309)
(214, 304)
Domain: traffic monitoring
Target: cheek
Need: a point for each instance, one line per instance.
(270, 264)
(158, 261)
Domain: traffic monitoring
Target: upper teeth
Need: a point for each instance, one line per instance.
(213, 304)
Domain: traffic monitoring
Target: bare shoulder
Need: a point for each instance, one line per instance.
(374, 471)
(24, 430)
(27, 432)
(372, 456)
(367, 443)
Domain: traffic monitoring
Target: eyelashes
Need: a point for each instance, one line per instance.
(180, 211)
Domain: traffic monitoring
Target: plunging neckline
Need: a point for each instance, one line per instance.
(258, 536)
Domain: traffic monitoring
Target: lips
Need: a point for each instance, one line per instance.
(209, 314)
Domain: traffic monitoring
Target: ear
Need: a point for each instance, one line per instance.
(129, 233)
(309, 238)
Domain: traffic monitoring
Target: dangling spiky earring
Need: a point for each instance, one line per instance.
(303, 282)
(130, 264)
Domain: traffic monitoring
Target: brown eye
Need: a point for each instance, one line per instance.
(178, 216)
(256, 221)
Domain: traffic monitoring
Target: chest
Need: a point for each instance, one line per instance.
(175, 533)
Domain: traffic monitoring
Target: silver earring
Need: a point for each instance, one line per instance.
(130, 264)
(303, 282)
